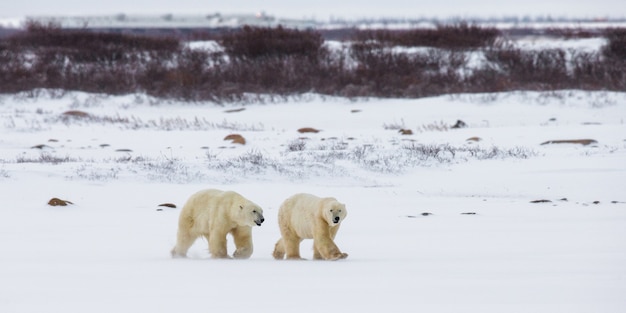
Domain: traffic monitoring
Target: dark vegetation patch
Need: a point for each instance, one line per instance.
(286, 62)
(459, 36)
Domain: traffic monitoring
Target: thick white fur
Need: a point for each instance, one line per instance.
(305, 216)
(213, 214)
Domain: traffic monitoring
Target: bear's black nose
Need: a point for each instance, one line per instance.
(336, 219)
(262, 220)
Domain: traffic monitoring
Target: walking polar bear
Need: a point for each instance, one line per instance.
(213, 214)
(305, 216)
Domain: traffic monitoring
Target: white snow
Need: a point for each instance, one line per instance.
(109, 252)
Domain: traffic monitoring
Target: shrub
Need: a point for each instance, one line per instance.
(456, 36)
(280, 62)
(85, 46)
(263, 42)
(525, 69)
(616, 46)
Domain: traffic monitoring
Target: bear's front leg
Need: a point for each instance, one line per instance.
(324, 247)
(243, 241)
(217, 245)
(329, 254)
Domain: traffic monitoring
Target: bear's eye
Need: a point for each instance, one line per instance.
(254, 211)
(331, 210)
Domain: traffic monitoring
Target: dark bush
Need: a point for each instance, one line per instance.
(282, 62)
(459, 36)
(529, 69)
(262, 42)
(616, 46)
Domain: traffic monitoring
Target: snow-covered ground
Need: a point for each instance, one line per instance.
(109, 251)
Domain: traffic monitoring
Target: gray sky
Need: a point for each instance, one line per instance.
(321, 9)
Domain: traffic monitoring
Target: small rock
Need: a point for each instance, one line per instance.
(168, 205)
(405, 132)
(236, 138)
(596, 202)
(426, 214)
(308, 130)
(76, 113)
(563, 199)
(540, 201)
(40, 147)
(58, 202)
(234, 110)
(469, 213)
(476, 139)
(584, 142)
(459, 124)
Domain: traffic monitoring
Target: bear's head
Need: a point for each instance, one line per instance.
(335, 212)
(251, 214)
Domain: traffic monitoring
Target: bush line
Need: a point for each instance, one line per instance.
(286, 62)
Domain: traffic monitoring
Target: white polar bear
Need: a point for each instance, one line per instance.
(305, 216)
(214, 214)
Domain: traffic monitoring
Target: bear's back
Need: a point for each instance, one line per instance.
(300, 212)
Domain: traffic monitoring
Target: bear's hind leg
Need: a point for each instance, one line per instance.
(184, 240)
(279, 250)
(292, 248)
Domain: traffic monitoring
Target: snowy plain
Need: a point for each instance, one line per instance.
(109, 251)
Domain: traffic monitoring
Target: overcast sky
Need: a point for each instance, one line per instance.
(322, 9)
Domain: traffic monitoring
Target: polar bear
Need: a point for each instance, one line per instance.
(213, 214)
(305, 216)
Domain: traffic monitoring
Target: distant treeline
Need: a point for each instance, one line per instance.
(285, 62)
